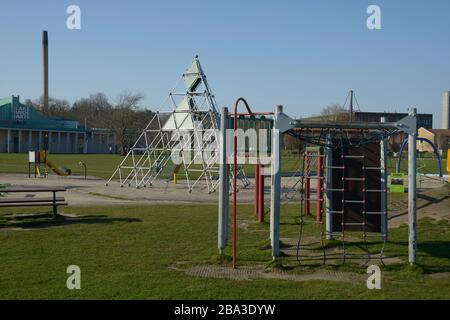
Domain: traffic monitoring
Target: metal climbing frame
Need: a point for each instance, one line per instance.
(281, 123)
(355, 191)
(359, 191)
(188, 133)
(374, 132)
(370, 133)
(313, 160)
(305, 198)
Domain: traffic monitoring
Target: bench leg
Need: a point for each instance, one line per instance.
(55, 208)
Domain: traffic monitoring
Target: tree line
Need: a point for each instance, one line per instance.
(124, 116)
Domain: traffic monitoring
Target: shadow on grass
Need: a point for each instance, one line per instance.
(429, 201)
(427, 252)
(42, 221)
(437, 249)
(432, 256)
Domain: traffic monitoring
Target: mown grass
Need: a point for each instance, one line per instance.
(98, 165)
(129, 252)
(103, 165)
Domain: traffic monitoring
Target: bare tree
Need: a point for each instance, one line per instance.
(93, 110)
(291, 143)
(334, 112)
(57, 108)
(124, 119)
(30, 103)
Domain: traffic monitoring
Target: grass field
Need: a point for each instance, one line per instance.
(103, 165)
(131, 252)
(128, 253)
(99, 165)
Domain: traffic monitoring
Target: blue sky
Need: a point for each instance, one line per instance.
(302, 54)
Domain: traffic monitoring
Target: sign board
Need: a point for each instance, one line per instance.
(31, 157)
(260, 125)
(397, 183)
(21, 113)
(448, 164)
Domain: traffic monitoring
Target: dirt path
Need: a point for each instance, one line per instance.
(249, 273)
(432, 203)
(94, 192)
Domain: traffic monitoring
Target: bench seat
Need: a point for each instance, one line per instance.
(30, 200)
(36, 204)
(54, 201)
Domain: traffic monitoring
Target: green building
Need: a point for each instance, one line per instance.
(24, 128)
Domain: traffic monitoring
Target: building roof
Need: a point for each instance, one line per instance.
(440, 132)
(400, 114)
(15, 115)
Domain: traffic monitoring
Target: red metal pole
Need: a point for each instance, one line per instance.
(235, 175)
(261, 195)
(307, 183)
(319, 189)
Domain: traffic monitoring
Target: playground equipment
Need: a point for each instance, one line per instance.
(355, 180)
(397, 183)
(81, 163)
(350, 167)
(313, 159)
(39, 160)
(187, 132)
(448, 164)
(438, 157)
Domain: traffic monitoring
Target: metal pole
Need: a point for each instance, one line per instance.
(235, 127)
(45, 70)
(384, 186)
(275, 190)
(224, 195)
(319, 188)
(261, 196)
(298, 124)
(307, 183)
(256, 200)
(329, 186)
(81, 163)
(412, 185)
(351, 106)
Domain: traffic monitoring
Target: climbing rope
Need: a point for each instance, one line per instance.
(343, 141)
(306, 174)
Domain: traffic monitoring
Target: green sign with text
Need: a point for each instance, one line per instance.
(397, 182)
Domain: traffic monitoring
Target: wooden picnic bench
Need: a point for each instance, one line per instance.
(52, 201)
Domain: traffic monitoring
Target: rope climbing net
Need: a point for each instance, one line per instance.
(353, 160)
(318, 137)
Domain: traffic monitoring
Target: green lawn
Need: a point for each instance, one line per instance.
(127, 253)
(103, 165)
(99, 165)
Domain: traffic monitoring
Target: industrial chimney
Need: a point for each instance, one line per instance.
(446, 110)
(45, 70)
